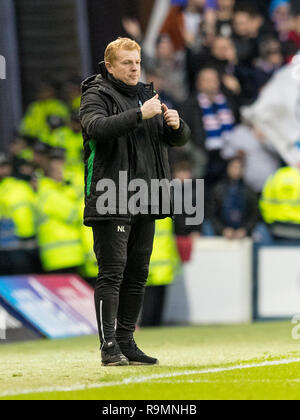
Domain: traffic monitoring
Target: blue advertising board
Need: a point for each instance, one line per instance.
(54, 306)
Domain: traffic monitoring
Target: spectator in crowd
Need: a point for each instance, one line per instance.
(224, 14)
(20, 150)
(249, 27)
(245, 45)
(60, 219)
(133, 28)
(222, 55)
(53, 123)
(72, 93)
(233, 211)
(280, 207)
(260, 158)
(279, 13)
(185, 234)
(40, 157)
(69, 137)
(171, 66)
(183, 23)
(292, 45)
(18, 247)
(35, 122)
(209, 114)
(25, 170)
(244, 79)
(270, 60)
(164, 264)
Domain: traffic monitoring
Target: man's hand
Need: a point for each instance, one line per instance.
(151, 108)
(240, 233)
(232, 83)
(228, 233)
(132, 27)
(171, 117)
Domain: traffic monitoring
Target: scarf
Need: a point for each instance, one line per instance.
(121, 87)
(295, 38)
(218, 120)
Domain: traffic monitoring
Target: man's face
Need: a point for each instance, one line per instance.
(5, 171)
(126, 67)
(197, 4)
(56, 169)
(223, 49)
(235, 170)
(242, 24)
(208, 82)
(165, 48)
(226, 4)
(282, 13)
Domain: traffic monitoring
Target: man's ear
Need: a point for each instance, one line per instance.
(108, 67)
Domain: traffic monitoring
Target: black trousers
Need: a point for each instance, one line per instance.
(123, 253)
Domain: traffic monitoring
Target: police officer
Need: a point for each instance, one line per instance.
(18, 222)
(59, 219)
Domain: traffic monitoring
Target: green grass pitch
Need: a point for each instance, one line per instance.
(259, 361)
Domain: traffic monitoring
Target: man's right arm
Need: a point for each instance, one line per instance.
(97, 122)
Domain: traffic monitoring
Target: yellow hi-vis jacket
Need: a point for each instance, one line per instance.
(35, 123)
(18, 203)
(72, 142)
(280, 200)
(165, 261)
(90, 267)
(59, 226)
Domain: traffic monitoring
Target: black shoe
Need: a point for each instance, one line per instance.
(135, 355)
(111, 355)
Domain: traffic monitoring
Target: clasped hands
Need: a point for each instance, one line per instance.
(154, 107)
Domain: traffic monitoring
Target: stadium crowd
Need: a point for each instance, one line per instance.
(212, 58)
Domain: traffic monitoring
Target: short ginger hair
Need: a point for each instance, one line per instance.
(117, 45)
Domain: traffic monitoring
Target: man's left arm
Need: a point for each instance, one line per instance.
(176, 132)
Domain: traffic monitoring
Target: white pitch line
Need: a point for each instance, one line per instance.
(142, 379)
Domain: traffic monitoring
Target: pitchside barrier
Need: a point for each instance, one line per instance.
(48, 306)
(215, 286)
(276, 281)
(229, 282)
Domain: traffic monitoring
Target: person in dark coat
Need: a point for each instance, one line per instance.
(233, 207)
(127, 132)
(209, 114)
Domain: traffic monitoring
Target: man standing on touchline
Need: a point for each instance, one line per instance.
(125, 128)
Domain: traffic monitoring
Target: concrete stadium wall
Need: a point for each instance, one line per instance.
(215, 286)
(235, 282)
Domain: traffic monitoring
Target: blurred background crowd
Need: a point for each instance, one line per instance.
(210, 59)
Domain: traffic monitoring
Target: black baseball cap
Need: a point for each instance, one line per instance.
(54, 121)
(41, 147)
(57, 153)
(4, 159)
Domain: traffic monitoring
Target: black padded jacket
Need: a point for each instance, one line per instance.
(117, 139)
